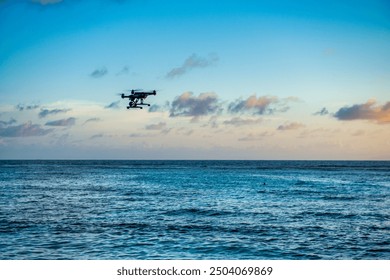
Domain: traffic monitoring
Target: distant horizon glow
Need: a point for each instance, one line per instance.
(239, 80)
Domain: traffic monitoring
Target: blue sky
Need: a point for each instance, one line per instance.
(236, 79)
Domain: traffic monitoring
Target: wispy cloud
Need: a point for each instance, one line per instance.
(92, 120)
(45, 112)
(62, 122)
(322, 112)
(6, 123)
(123, 71)
(367, 111)
(237, 121)
(161, 127)
(96, 136)
(359, 132)
(138, 135)
(155, 108)
(24, 130)
(192, 62)
(98, 73)
(189, 105)
(260, 105)
(113, 105)
(184, 131)
(21, 107)
(213, 122)
(290, 126)
(159, 108)
(256, 137)
(158, 126)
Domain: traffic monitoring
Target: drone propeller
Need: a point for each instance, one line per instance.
(134, 90)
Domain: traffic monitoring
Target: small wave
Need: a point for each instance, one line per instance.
(302, 183)
(340, 197)
(196, 211)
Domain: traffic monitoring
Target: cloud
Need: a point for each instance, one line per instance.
(155, 108)
(4, 123)
(45, 112)
(366, 111)
(213, 122)
(124, 71)
(21, 107)
(138, 135)
(189, 105)
(290, 126)
(92, 120)
(192, 62)
(260, 105)
(237, 121)
(184, 131)
(98, 73)
(63, 122)
(158, 126)
(113, 105)
(161, 126)
(359, 132)
(322, 112)
(24, 130)
(159, 108)
(100, 135)
(256, 137)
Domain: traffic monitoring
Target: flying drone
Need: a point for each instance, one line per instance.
(137, 97)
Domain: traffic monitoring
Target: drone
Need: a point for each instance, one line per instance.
(136, 96)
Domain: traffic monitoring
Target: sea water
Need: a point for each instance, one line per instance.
(195, 210)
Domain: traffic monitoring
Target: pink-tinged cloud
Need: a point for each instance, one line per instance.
(367, 111)
(290, 126)
(195, 106)
(261, 105)
(24, 130)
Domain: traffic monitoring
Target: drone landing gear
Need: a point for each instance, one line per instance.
(133, 104)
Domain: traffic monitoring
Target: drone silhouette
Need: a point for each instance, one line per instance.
(136, 96)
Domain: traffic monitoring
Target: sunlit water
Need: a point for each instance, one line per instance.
(194, 210)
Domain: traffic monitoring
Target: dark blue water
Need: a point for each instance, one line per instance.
(194, 210)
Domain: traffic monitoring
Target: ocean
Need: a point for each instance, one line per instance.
(288, 210)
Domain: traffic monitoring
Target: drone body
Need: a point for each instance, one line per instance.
(137, 97)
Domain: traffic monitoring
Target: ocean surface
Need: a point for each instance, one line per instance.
(195, 210)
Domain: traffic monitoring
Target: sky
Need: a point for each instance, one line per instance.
(245, 79)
